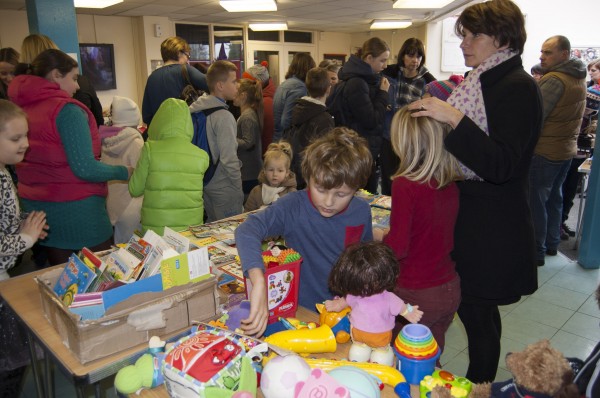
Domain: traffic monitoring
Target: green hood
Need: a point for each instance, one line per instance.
(172, 120)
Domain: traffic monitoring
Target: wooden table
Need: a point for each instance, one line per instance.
(341, 353)
(22, 296)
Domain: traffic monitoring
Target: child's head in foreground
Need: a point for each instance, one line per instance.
(364, 269)
(221, 79)
(278, 158)
(335, 166)
(419, 142)
(13, 133)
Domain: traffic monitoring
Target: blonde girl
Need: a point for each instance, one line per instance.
(249, 130)
(424, 211)
(275, 178)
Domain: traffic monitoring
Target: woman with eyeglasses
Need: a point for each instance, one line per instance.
(168, 81)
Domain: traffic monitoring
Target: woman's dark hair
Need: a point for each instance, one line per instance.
(501, 19)
(412, 46)
(52, 59)
(301, 64)
(364, 269)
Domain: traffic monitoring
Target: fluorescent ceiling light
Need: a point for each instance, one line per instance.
(96, 3)
(248, 5)
(421, 3)
(390, 24)
(262, 26)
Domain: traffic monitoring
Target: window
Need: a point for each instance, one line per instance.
(271, 35)
(197, 38)
(229, 45)
(291, 36)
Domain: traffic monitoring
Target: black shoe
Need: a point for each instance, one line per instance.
(540, 263)
(563, 234)
(551, 252)
(568, 230)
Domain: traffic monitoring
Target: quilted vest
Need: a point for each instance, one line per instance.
(45, 174)
(558, 139)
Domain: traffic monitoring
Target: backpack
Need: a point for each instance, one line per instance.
(200, 139)
(189, 93)
(336, 105)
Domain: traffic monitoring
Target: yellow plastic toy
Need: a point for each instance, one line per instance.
(305, 341)
(337, 321)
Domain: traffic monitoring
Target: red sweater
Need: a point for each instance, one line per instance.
(422, 232)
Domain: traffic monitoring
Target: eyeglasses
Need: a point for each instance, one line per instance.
(186, 54)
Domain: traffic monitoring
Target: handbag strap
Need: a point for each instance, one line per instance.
(186, 77)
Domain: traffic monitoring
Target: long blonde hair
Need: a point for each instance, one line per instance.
(419, 142)
(254, 98)
(33, 45)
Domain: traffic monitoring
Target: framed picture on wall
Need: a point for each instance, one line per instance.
(339, 59)
(586, 53)
(98, 65)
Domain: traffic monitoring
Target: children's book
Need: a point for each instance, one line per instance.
(75, 278)
(121, 264)
(185, 268)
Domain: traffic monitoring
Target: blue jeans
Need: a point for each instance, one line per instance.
(545, 199)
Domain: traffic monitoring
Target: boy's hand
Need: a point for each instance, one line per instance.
(35, 225)
(336, 305)
(415, 315)
(256, 323)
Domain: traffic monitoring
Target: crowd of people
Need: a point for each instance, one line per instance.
(474, 165)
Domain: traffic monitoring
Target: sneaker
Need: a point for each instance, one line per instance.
(563, 234)
(540, 263)
(551, 252)
(569, 231)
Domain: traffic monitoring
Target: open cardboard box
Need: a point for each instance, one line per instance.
(130, 322)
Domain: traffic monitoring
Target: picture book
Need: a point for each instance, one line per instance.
(121, 264)
(185, 268)
(180, 243)
(75, 278)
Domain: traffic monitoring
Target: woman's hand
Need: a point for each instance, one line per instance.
(436, 109)
(384, 84)
(256, 323)
(35, 225)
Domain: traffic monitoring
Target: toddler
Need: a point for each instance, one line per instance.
(121, 146)
(424, 211)
(18, 231)
(318, 222)
(170, 172)
(364, 275)
(275, 178)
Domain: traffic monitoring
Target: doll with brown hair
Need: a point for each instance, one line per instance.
(365, 275)
(275, 178)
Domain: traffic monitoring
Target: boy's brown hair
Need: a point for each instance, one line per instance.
(8, 112)
(172, 46)
(364, 269)
(317, 82)
(218, 71)
(339, 157)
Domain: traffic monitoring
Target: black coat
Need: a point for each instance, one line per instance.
(494, 245)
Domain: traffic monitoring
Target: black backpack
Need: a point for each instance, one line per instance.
(336, 105)
(200, 139)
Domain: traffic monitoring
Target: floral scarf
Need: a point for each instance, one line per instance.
(468, 98)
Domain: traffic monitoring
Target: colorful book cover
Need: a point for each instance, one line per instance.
(121, 264)
(75, 278)
(185, 268)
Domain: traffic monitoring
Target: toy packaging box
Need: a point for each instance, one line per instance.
(137, 316)
(282, 276)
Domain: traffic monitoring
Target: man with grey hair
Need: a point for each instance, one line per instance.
(563, 94)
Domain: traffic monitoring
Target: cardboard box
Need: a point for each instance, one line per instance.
(129, 322)
(282, 289)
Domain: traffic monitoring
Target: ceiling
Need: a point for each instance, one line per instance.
(320, 15)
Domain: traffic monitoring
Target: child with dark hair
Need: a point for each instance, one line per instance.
(364, 275)
(318, 222)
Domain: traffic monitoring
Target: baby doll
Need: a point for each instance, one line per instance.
(275, 178)
(364, 275)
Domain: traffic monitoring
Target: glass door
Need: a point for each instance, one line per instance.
(259, 52)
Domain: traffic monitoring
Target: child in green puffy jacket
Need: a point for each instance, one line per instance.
(170, 171)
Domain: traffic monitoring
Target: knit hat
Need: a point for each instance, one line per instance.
(257, 72)
(125, 112)
(443, 88)
(593, 98)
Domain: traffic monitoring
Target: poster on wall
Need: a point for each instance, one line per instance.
(586, 54)
(339, 59)
(98, 65)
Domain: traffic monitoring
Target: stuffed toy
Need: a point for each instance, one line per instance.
(538, 371)
(146, 372)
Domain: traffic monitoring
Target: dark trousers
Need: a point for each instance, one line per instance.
(569, 187)
(59, 256)
(389, 166)
(484, 329)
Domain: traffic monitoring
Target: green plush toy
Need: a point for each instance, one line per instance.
(132, 378)
(247, 383)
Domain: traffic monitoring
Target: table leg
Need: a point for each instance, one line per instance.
(34, 366)
(580, 212)
(97, 390)
(80, 389)
(49, 377)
